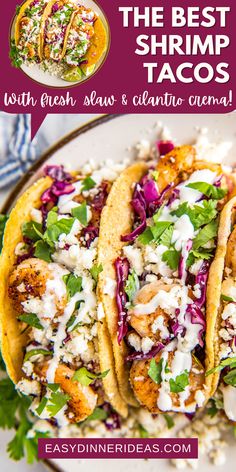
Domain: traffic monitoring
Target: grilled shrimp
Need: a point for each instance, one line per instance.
(29, 280)
(229, 287)
(82, 401)
(178, 164)
(230, 261)
(147, 391)
(143, 324)
(172, 166)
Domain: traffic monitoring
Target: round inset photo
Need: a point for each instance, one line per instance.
(59, 43)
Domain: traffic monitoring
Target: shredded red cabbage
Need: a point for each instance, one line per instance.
(90, 233)
(26, 255)
(122, 272)
(138, 356)
(55, 8)
(164, 147)
(150, 191)
(56, 190)
(113, 421)
(57, 173)
(176, 327)
(99, 200)
(141, 213)
(201, 279)
(183, 259)
(197, 317)
(174, 196)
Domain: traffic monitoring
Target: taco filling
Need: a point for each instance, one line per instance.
(162, 277)
(226, 347)
(52, 292)
(56, 29)
(79, 38)
(28, 30)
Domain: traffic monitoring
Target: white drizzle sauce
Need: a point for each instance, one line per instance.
(60, 336)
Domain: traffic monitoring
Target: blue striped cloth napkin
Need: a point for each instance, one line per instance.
(17, 152)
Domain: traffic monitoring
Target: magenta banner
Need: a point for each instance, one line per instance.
(166, 57)
(113, 448)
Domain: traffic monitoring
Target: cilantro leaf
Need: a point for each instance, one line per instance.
(80, 212)
(166, 236)
(9, 402)
(205, 234)
(202, 254)
(88, 183)
(212, 410)
(98, 414)
(55, 230)
(53, 387)
(132, 285)
(41, 406)
(199, 215)
(3, 220)
(52, 217)
(14, 55)
(155, 370)
(159, 228)
(169, 421)
(146, 237)
(31, 319)
(84, 377)
(95, 271)
(225, 298)
(43, 251)
(32, 230)
(178, 384)
(56, 402)
(73, 284)
(230, 378)
(209, 190)
(171, 257)
(35, 352)
(143, 433)
(230, 361)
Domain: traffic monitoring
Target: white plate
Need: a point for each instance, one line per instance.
(114, 137)
(45, 78)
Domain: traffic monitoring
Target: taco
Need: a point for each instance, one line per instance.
(225, 332)
(28, 30)
(80, 35)
(55, 341)
(157, 251)
(56, 23)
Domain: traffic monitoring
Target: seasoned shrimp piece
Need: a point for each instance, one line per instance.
(82, 401)
(230, 261)
(172, 166)
(147, 325)
(147, 391)
(29, 280)
(229, 287)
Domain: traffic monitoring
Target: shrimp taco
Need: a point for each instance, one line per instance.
(28, 30)
(158, 291)
(55, 341)
(225, 332)
(57, 20)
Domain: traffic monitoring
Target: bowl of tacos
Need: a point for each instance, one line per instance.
(59, 42)
(117, 301)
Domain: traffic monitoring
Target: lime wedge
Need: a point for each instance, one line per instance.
(87, 70)
(74, 74)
